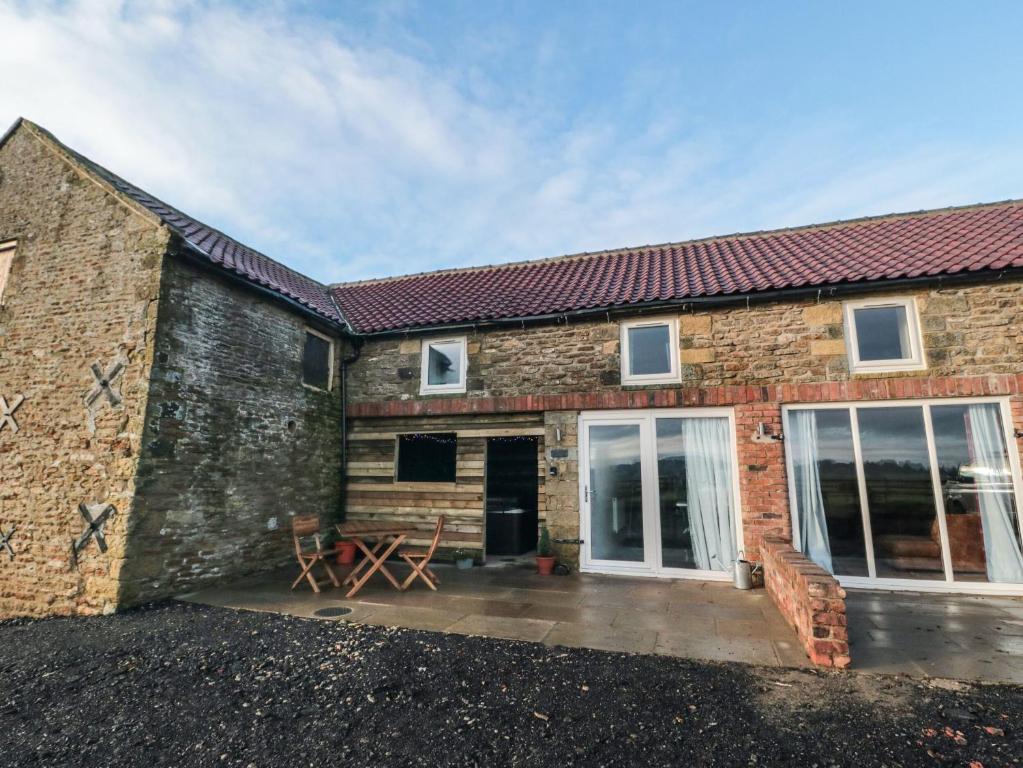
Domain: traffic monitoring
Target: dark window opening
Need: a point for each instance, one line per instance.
(427, 458)
(316, 361)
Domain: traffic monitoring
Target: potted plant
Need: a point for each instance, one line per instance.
(544, 553)
(345, 551)
(463, 559)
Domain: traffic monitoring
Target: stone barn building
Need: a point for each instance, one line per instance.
(158, 373)
(842, 402)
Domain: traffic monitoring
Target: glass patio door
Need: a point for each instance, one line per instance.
(618, 528)
(658, 492)
(924, 494)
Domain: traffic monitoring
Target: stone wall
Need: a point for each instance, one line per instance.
(810, 599)
(562, 489)
(967, 331)
(82, 290)
(234, 446)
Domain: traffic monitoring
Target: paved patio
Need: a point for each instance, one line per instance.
(703, 620)
(965, 637)
(947, 636)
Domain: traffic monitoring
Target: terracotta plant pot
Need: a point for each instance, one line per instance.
(545, 565)
(345, 552)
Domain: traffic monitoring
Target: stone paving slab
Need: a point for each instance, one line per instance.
(695, 619)
(965, 637)
(968, 637)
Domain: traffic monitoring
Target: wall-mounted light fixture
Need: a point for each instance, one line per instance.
(557, 434)
(764, 435)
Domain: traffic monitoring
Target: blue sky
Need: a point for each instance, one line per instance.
(355, 140)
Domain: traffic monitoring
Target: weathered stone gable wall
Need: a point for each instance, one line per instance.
(969, 331)
(234, 444)
(82, 290)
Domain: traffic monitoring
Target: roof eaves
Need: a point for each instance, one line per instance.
(808, 290)
(206, 261)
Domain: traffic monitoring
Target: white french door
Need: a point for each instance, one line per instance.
(658, 492)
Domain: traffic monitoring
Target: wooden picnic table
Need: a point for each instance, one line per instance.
(384, 536)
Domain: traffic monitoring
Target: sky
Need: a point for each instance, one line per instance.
(354, 140)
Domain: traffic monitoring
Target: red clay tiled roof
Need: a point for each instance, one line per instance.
(218, 248)
(925, 244)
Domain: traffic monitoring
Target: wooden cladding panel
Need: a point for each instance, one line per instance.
(373, 494)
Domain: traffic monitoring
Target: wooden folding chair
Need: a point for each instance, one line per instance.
(419, 560)
(301, 527)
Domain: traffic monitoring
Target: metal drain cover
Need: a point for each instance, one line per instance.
(332, 613)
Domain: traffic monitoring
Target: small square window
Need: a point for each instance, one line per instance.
(317, 361)
(6, 260)
(883, 336)
(443, 366)
(650, 351)
(429, 457)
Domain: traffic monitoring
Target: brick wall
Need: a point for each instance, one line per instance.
(82, 290)
(234, 443)
(810, 599)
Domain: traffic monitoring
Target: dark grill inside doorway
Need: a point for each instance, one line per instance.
(511, 495)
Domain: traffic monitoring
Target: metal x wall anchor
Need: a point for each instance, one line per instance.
(105, 384)
(5, 541)
(7, 412)
(93, 528)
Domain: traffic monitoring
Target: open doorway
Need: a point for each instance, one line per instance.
(512, 488)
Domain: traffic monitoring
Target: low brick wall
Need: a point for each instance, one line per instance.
(810, 599)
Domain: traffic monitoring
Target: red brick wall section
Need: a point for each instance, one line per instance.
(810, 599)
(763, 488)
(679, 397)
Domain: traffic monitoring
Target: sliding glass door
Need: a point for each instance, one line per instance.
(922, 494)
(659, 492)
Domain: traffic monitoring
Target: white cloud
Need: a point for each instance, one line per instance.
(350, 160)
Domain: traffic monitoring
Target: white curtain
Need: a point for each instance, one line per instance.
(1001, 544)
(709, 488)
(813, 524)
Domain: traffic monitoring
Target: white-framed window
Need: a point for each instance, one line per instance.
(318, 361)
(908, 494)
(444, 363)
(883, 335)
(650, 351)
(6, 260)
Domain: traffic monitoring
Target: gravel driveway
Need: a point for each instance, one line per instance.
(175, 684)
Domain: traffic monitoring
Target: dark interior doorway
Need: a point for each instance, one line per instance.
(511, 495)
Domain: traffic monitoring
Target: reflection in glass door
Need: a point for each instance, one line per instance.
(936, 485)
(616, 493)
(658, 491)
(694, 473)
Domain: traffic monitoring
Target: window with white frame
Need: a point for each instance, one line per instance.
(911, 491)
(650, 351)
(883, 335)
(443, 365)
(317, 360)
(6, 260)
